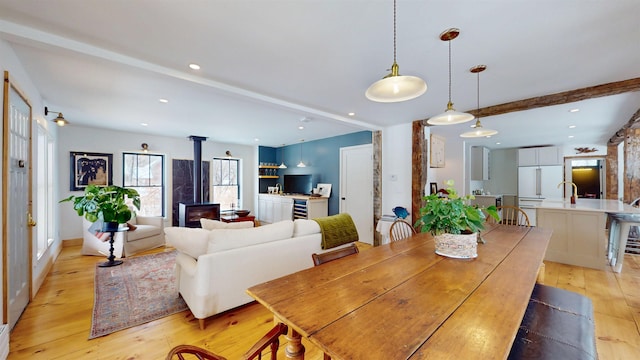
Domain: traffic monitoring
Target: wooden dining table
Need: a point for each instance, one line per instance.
(403, 301)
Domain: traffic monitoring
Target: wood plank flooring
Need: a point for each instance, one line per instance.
(56, 324)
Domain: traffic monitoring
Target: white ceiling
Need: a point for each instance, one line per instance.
(268, 64)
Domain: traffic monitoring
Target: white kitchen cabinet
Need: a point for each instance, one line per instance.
(479, 163)
(274, 208)
(579, 237)
(548, 155)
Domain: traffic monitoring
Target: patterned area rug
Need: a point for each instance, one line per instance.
(140, 290)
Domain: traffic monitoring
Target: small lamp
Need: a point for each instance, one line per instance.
(59, 120)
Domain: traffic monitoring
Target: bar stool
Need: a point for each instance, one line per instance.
(618, 234)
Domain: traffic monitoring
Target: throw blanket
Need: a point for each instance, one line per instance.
(337, 230)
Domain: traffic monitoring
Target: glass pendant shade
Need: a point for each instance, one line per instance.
(282, 165)
(478, 131)
(450, 117)
(396, 88)
(301, 164)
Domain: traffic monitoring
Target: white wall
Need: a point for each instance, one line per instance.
(396, 168)
(454, 164)
(77, 138)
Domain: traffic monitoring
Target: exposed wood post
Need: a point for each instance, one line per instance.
(419, 167)
(612, 172)
(376, 139)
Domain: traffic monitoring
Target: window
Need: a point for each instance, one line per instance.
(226, 188)
(145, 173)
(44, 193)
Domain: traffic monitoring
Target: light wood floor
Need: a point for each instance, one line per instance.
(56, 324)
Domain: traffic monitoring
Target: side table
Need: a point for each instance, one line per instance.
(236, 218)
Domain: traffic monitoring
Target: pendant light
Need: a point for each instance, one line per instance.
(282, 165)
(301, 164)
(395, 87)
(450, 116)
(478, 130)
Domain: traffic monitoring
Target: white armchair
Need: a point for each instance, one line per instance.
(148, 234)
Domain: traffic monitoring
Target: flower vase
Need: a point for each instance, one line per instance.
(459, 246)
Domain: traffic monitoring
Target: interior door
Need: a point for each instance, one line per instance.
(356, 188)
(17, 221)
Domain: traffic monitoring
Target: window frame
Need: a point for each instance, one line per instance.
(163, 205)
(238, 183)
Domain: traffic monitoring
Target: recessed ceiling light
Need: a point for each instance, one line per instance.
(194, 66)
(572, 126)
(256, 139)
(164, 101)
(574, 110)
(570, 136)
(352, 114)
(144, 124)
(498, 143)
(300, 127)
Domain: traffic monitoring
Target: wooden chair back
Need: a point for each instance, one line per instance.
(512, 215)
(319, 259)
(269, 340)
(401, 229)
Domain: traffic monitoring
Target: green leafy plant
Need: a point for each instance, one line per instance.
(447, 212)
(106, 203)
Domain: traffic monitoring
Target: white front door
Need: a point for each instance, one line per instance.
(356, 188)
(17, 220)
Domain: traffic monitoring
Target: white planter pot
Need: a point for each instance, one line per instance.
(459, 246)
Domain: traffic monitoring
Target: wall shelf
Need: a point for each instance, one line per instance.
(268, 176)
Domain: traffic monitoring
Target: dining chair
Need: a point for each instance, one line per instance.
(325, 257)
(513, 215)
(270, 339)
(319, 259)
(401, 229)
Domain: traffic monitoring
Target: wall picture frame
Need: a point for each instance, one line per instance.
(437, 151)
(433, 188)
(90, 169)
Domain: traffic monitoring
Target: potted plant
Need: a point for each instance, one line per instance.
(453, 222)
(105, 203)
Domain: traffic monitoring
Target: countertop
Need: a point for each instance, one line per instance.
(599, 205)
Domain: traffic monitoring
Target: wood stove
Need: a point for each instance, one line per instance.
(190, 214)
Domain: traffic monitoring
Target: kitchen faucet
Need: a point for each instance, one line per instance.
(278, 190)
(575, 190)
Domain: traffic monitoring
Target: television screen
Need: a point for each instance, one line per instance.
(298, 184)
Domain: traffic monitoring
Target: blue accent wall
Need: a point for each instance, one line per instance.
(321, 157)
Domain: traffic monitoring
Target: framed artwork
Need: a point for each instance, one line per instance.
(90, 169)
(433, 187)
(437, 151)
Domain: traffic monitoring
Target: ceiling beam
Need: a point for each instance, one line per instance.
(633, 123)
(613, 88)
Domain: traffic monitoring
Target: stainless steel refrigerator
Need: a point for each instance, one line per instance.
(536, 183)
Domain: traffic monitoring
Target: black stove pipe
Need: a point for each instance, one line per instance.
(197, 167)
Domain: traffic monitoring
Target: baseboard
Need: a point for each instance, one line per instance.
(72, 242)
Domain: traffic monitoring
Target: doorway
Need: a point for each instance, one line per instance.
(17, 222)
(356, 188)
(588, 173)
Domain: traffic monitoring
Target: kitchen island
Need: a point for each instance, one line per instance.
(579, 230)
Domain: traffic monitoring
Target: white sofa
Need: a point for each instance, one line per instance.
(148, 234)
(215, 267)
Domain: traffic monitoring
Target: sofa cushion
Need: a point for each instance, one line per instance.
(143, 232)
(210, 224)
(302, 227)
(226, 239)
(191, 241)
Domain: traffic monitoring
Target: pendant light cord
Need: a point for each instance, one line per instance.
(449, 71)
(394, 31)
(478, 97)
